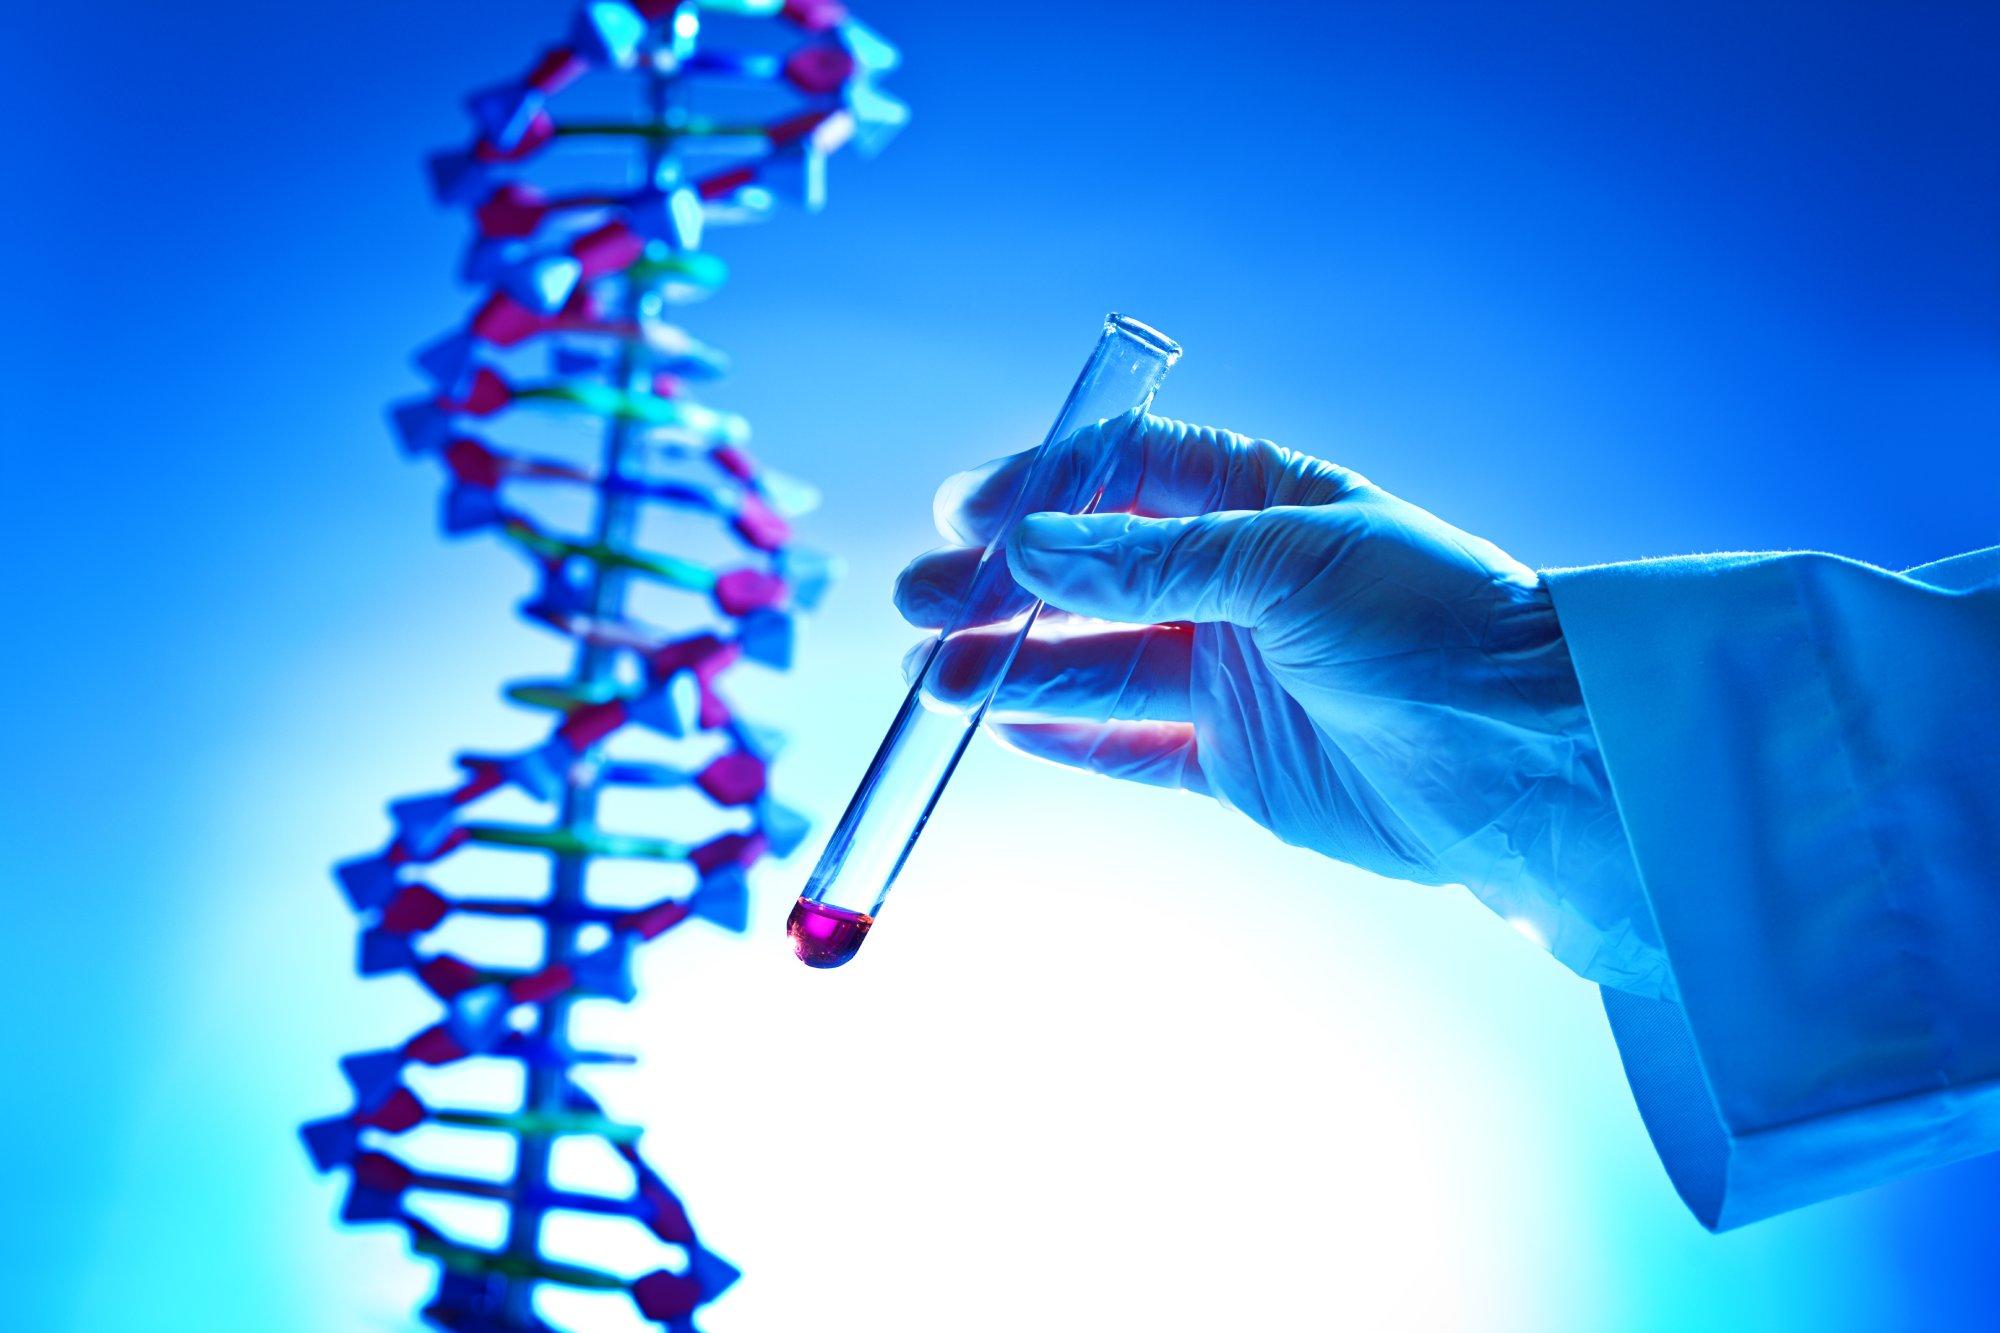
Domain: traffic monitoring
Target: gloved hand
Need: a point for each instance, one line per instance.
(1351, 672)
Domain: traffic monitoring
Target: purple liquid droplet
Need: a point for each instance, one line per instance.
(824, 936)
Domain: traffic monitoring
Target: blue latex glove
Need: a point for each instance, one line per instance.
(1351, 672)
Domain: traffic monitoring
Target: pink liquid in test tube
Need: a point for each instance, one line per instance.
(824, 935)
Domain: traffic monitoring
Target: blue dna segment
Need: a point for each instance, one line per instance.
(565, 419)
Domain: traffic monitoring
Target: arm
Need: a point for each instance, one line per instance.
(1800, 939)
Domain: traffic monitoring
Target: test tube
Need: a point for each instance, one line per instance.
(934, 725)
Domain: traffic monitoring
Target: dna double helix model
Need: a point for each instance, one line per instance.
(564, 417)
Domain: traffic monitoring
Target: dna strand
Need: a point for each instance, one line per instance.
(572, 337)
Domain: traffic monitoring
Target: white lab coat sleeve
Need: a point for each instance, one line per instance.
(1805, 752)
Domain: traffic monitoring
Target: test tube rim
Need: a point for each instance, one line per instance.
(1146, 334)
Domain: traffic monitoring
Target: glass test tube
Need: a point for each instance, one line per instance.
(935, 723)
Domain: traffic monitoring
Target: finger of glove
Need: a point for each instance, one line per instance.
(918, 655)
(1164, 468)
(931, 588)
(1092, 675)
(1157, 754)
(1231, 567)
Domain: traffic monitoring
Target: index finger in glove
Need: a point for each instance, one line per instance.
(1067, 671)
(1164, 469)
(1158, 754)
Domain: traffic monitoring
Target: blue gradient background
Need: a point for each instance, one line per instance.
(1597, 281)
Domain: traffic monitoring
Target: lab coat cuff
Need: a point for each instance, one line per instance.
(1795, 746)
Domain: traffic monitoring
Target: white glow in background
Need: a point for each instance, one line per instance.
(1199, 1078)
